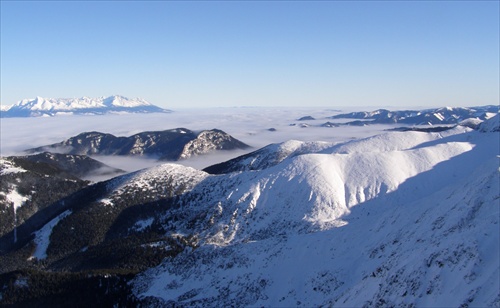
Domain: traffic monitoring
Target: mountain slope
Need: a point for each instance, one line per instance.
(77, 165)
(274, 154)
(403, 218)
(266, 157)
(171, 144)
(418, 231)
(437, 251)
(59, 106)
(26, 188)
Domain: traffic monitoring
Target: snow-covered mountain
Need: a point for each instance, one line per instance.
(33, 182)
(173, 144)
(445, 115)
(85, 105)
(268, 156)
(399, 219)
(30, 184)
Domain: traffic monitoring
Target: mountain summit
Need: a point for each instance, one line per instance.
(173, 144)
(85, 105)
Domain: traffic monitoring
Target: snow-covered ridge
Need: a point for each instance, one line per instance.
(412, 221)
(40, 106)
(159, 181)
(445, 115)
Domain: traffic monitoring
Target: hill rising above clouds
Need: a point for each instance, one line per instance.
(40, 106)
(173, 144)
(445, 115)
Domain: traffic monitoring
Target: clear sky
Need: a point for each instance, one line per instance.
(254, 53)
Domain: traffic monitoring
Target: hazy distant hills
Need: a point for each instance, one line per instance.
(398, 219)
(445, 115)
(173, 144)
(39, 106)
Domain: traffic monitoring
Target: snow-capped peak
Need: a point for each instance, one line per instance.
(40, 103)
(122, 101)
(40, 106)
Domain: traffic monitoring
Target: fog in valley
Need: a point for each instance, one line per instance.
(256, 127)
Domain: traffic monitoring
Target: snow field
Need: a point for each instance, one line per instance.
(412, 222)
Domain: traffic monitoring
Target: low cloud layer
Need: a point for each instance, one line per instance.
(256, 127)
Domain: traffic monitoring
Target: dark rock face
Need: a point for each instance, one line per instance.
(211, 140)
(171, 144)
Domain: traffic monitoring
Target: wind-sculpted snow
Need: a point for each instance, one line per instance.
(314, 191)
(408, 223)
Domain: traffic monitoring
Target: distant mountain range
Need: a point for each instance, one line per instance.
(446, 115)
(40, 106)
(173, 144)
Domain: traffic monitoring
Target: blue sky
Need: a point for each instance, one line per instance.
(207, 54)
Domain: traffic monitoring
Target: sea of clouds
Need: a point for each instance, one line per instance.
(250, 125)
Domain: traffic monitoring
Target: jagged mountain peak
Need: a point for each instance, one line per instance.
(40, 106)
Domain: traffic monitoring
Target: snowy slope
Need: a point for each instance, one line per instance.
(276, 153)
(399, 219)
(42, 236)
(268, 156)
(412, 223)
(85, 105)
